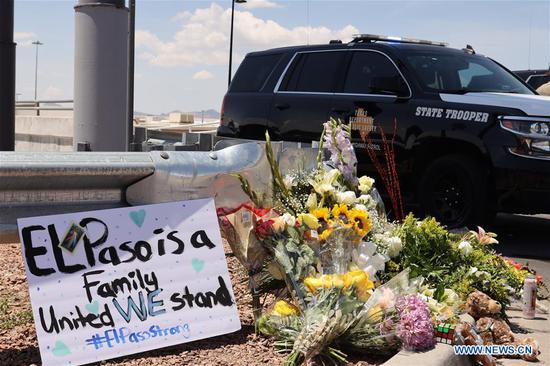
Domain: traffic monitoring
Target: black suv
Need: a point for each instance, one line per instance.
(472, 138)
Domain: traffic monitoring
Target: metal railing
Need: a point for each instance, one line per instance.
(38, 105)
(37, 184)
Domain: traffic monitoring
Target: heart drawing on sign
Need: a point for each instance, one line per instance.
(198, 264)
(92, 307)
(60, 349)
(138, 217)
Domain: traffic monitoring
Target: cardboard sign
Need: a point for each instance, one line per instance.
(110, 283)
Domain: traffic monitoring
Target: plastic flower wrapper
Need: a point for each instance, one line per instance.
(365, 256)
(331, 307)
(242, 228)
(374, 329)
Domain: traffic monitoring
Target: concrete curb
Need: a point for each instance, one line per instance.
(443, 354)
(440, 355)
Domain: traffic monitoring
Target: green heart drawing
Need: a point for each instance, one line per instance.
(92, 307)
(60, 349)
(198, 264)
(138, 217)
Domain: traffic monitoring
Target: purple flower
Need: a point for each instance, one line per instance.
(342, 155)
(415, 327)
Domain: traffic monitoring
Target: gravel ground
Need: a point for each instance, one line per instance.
(19, 346)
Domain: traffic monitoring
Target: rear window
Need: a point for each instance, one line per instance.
(253, 72)
(313, 72)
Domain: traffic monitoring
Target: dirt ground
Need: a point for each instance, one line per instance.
(19, 346)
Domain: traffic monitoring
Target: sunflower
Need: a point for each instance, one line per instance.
(322, 214)
(340, 215)
(360, 221)
(326, 233)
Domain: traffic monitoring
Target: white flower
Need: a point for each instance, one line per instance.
(360, 207)
(311, 202)
(347, 197)
(289, 181)
(450, 297)
(365, 183)
(465, 248)
(289, 219)
(472, 270)
(332, 175)
(394, 246)
(367, 200)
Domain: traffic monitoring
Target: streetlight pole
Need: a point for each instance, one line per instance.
(231, 37)
(36, 43)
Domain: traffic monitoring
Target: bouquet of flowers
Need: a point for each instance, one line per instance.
(326, 239)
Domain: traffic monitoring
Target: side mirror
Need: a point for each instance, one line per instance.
(393, 85)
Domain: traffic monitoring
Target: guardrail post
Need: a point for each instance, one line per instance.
(7, 77)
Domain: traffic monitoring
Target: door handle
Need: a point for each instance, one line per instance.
(341, 110)
(282, 106)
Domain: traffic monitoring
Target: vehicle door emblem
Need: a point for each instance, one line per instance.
(362, 123)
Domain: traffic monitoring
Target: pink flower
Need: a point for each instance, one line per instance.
(415, 327)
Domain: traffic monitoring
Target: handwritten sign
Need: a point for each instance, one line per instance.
(109, 283)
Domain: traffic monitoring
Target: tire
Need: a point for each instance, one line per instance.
(453, 189)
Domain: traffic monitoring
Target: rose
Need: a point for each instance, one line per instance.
(394, 246)
(264, 229)
(365, 183)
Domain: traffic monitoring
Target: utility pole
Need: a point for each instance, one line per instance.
(7, 77)
(36, 43)
(131, 68)
(231, 37)
(101, 75)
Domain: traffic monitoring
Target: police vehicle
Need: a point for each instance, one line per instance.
(472, 138)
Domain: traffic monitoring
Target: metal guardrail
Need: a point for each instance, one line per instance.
(38, 105)
(35, 184)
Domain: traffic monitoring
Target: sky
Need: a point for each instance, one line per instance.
(182, 47)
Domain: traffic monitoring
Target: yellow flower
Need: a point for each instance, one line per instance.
(360, 221)
(321, 213)
(313, 283)
(283, 308)
(340, 215)
(309, 220)
(325, 233)
(374, 314)
(362, 284)
(365, 183)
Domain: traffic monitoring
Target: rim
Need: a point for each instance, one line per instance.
(450, 196)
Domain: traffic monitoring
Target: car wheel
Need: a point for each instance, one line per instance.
(453, 190)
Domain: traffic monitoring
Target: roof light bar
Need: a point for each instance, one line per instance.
(378, 38)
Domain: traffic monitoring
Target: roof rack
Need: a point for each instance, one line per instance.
(368, 38)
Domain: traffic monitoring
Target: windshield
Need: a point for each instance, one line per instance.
(462, 73)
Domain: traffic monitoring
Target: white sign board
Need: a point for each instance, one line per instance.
(110, 283)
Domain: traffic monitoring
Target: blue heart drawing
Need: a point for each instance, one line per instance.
(138, 217)
(198, 264)
(60, 349)
(92, 307)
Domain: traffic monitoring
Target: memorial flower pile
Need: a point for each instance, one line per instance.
(348, 279)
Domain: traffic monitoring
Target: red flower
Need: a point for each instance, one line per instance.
(538, 279)
(264, 229)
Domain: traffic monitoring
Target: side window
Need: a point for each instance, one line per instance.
(313, 72)
(253, 72)
(373, 73)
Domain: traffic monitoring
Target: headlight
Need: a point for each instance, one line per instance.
(535, 128)
(533, 134)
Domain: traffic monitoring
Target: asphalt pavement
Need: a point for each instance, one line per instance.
(525, 238)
